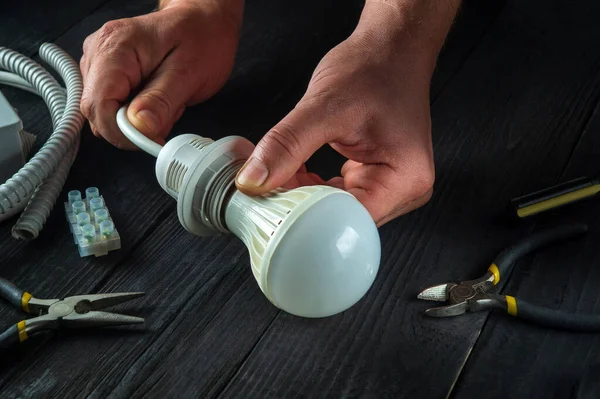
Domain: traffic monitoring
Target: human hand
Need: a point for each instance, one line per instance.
(368, 99)
(178, 56)
(371, 109)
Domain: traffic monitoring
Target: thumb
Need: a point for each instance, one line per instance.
(161, 103)
(283, 151)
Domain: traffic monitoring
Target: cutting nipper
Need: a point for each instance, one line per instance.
(473, 295)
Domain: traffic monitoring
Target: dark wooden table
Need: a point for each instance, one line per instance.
(514, 108)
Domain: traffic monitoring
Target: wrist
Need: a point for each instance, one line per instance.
(232, 10)
(411, 31)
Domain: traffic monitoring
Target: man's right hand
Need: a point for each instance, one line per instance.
(178, 56)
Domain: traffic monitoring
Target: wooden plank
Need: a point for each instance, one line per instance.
(188, 281)
(510, 118)
(205, 313)
(24, 375)
(51, 267)
(551, 363)
(566, 277)
(473, 20)
(26, 24)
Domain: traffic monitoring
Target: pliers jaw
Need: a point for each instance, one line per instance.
(71, 312)
(84, 310)
(461, 297)
(473, 296)
(437, 292)
(78, 312)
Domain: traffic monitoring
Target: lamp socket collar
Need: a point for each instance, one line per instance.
(200, 174)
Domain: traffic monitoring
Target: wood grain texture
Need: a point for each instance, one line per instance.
(472, 21)
(508, 119)
(144, 216)
(50, 265)
(535, 362)
(28, 23)
(501, 126)
(529, 361)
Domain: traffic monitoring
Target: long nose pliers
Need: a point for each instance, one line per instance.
(79, 311)
(473, 296)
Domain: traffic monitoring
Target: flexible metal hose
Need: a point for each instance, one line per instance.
(36, 187)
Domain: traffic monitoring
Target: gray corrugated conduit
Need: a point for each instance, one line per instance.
(35, 188)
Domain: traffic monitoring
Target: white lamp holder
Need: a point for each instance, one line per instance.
(200, 174)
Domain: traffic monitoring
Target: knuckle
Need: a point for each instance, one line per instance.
(114, 33)
(94, 130)
(330, 100)
(160, 99)
(114, 141)
(86, 107)
(422, 184)
(284, 137)
(112, 27)
(87, 43)
(82, 64)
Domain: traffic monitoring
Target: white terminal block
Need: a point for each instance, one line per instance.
(93, 229)
(15, 143)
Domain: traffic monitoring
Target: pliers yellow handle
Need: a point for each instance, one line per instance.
(71, 312)
(473, 295)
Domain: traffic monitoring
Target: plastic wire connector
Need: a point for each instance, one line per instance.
(93, 229)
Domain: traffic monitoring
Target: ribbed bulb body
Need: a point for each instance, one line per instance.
(314, 251)
(254, 220)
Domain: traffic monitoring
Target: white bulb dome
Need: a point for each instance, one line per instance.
(314, 251)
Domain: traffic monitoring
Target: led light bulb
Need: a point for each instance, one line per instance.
(314, 251)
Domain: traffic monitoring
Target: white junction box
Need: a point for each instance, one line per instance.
(11, 153)
(15, 143)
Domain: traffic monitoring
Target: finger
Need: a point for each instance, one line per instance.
(302, 180)
(293, 182)
(116, 58)
(284, 149)
(107, 125)
(406, 208)
(107, 84)
(337, 182)
(387, 193)
(161, 103)
(84, 65)
(94, 130)
(349, 165)
(310, 179)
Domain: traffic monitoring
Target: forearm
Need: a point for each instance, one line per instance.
(409, 28)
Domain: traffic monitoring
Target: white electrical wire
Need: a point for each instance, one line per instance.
(36, 187)
(134, 135)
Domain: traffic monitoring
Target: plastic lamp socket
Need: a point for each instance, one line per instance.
(314, 251)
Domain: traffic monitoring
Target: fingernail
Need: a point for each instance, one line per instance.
(253, 174)
(149, 121)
